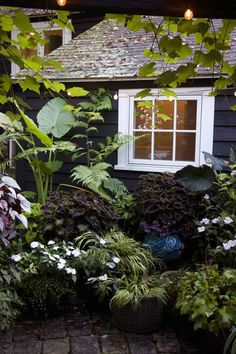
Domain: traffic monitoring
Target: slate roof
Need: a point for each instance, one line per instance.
(109, 51)
(29, 12)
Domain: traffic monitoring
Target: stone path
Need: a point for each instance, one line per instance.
(81, 333)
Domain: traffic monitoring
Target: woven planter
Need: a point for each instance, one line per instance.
(146, 318)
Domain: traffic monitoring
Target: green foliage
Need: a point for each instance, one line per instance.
(208, 298)
(131, 291)
(46, 294)
(10, 303)
(196, 179)
(35, 223)
(110, 259)
(54, 119)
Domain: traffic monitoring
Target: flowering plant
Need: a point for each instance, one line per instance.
(12, 204)
(53, 257)
(217, 230)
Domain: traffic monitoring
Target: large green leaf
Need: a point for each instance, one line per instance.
(33, 129)
(54, 119)
(196, 178)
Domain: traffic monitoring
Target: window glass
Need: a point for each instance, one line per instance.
(142, 146)
(54, 40)
(185, 146)
(163, 148)
(143, 114)
(186, 114)
(164, 108)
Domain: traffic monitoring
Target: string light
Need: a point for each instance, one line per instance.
(234, 93)
(115, 97)
(61, 2)
(188, 15)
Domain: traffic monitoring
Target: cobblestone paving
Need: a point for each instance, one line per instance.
(82, 333)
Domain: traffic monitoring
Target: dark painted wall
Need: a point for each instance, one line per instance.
(224, 133)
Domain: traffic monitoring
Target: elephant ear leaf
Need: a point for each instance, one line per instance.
(55, 119)
(33, 129)
(217, 163)
(196, 179)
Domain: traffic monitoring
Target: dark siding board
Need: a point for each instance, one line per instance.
(225, 134)
(224, 102)
(221, 149)
(225, 118)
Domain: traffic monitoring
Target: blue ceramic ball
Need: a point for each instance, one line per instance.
(169, 247)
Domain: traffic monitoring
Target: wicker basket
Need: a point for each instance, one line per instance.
(146, 318)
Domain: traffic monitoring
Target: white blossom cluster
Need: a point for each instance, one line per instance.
(59, 255)
(205, 221)
(229, 244)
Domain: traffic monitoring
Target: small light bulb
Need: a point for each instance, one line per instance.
(188, 15)
(234, 93)
(32, 33)
(61, 2)
(115, 97)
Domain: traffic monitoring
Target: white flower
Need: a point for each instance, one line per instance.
(111, 265)
(70, 271)
(51, 242)
(34, 244)
(229, 244)
(206, 197)
(228, 220)
(60, 265)
(233, 173)
(61, 260)
(103, 277)
(205, 221)
(55, 248)
(76, 253)
(216, 220)
(226, 246)
(68, 253)
(201, 229)
(57, 256)
(116, 260)
(102, 241)
(16, 257)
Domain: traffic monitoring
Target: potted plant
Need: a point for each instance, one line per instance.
(121, 269)
(137, 304)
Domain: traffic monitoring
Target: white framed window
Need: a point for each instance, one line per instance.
(170, 144)
(56, 36)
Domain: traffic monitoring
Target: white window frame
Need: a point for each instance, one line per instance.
(41, 26)
(204, 130)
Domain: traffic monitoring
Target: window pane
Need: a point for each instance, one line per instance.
(54, 38)
(186, 114)
(167, 108)
(185, 146)
(142, 146)
(163, 146)
(142, 115)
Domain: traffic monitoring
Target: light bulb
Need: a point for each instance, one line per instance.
(115, 97)
(61, 2)
(234, 93)
(188, 15)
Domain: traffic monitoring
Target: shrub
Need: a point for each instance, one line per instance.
(164, 206)
(67, 214)
(46, 294)
(208, 298)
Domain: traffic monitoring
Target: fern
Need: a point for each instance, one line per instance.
(115, 187)
(93, 177)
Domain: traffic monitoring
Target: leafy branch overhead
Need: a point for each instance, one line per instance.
(204, 43)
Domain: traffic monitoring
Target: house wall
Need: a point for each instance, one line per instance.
(224, 132)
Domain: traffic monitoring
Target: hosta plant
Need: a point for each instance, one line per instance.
(12, 206)
(208, 298)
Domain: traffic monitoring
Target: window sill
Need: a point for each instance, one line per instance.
(149, 168)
